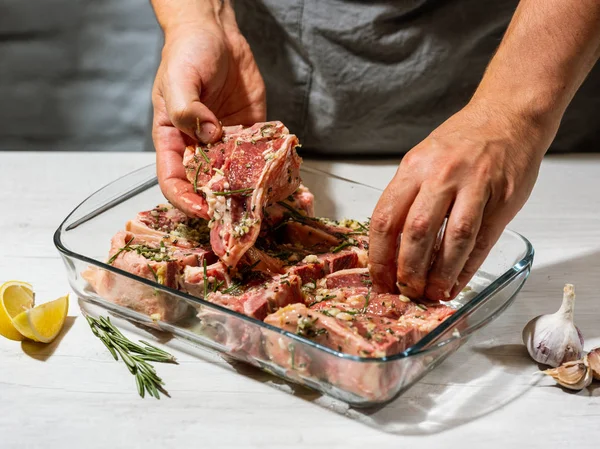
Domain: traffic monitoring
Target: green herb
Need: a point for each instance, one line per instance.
(233, 289)
(153, 272)
(125, 248)
(295, 213)
(249, 268)
(367, 299)
(337, 249)
(422, 306)
(205, 279)
(324, 298)
(233, 192)
(196, 178)
(217, 285)
(135, 356)
(362, 226)
(204, 155)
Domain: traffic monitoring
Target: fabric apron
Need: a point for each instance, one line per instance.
(360, 77)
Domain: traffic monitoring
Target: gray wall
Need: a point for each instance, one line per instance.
(77, 75)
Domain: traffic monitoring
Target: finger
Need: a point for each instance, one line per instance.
(170, 145)
(182, 100)
(386, 224)
(489, 233)
(458, 242)
(419, 235)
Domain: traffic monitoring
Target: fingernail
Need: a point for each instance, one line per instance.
(205, 132)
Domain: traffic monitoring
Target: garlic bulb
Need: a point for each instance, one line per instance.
(554, 339)
(594, 362)
(574, 375)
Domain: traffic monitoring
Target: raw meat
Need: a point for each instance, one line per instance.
(261, 254)
(137, 257)
(240, 175)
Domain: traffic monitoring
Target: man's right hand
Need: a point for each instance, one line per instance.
(207, 78)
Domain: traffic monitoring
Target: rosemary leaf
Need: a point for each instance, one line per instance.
(205, 279)
(153, 272)
(125, 248)
(367, 298)
(152, 389)
(139, 380)
(204, 155)
(363, 227)
(337, 249)
(234, 288)
(233, 192)
(106, 342)
(195, 184)
(156, 349)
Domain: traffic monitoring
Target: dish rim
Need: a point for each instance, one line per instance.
(422, 347)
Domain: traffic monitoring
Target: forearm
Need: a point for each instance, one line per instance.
(172, 14)
(547, 51)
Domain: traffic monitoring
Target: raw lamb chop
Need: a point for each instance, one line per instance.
(240, 175)
(146, 260)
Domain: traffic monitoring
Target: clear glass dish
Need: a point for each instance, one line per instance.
(83, 240)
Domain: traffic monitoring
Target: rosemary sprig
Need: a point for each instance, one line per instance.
(135, 356)
(295, 213)
(125, 248)
(337, 249)
(153, 272)
(232, 289)
(217, 286)
(196, 178)
(233, 192)
(205, 279)
(204, 155)
(363, 227)
(367, 299)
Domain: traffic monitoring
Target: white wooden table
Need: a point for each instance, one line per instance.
(71, 394)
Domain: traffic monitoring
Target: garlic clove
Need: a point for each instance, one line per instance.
(575, 375)
(554, 339)
(594, 362)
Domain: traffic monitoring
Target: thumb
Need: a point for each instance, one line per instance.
(186, 111)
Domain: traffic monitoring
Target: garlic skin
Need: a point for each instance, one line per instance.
(554, 339)
(575, 375)
(594, 362)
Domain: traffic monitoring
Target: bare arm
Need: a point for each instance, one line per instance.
(547, 51)
(479, 167)
(172, 14)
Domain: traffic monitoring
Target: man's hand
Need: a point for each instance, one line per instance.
(207, 78)
(477, 169)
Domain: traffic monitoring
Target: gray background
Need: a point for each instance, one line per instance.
(77, 75)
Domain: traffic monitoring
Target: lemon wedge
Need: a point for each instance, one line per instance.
(15, 298)
(44, 322)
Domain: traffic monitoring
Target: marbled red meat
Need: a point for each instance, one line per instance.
(239, 176)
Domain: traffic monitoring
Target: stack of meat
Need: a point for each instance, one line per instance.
(260, 251)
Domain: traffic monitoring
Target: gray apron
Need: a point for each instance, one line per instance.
(376, 77)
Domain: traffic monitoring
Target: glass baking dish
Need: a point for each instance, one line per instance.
(83, 240)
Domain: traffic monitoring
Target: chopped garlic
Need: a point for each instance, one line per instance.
(344, 316)
(403, 298)
(310, 259)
